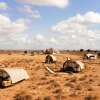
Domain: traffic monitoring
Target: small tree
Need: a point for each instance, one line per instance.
(32, 53)
(88, 50)
(81, 50)
(25, 52)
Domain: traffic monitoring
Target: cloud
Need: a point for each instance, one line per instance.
(39, 38)
(7, 26)
(56, 3)
(30, 12)
(78, 23)
(3, 6)
(40, 41)
(53, 40)
(80, 31)
(11, 31)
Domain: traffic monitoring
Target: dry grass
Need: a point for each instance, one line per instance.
(45, 86)
(23, 96)
(90, 97)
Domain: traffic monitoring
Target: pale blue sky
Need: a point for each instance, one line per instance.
(41, 17)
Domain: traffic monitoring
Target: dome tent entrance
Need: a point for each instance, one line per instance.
(50, 59)
(73, 66)
(10, 76)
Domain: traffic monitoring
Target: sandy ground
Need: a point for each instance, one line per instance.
(45, 86)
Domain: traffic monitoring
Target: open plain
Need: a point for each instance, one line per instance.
(43, 85)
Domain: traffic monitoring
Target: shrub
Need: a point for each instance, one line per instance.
(25, 52)
(23, 96)
(89, 97)
(81, 50)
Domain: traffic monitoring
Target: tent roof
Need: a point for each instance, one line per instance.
(53, 57)
(80, 64)
(16, 74)
(89, 54)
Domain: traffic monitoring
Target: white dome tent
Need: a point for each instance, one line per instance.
(52, 51)
(73, 66)
(9, 76)
(50, 59)
(90, 56)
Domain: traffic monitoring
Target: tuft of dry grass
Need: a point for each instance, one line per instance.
(57, 91)
(47, 98)
(83, 78)
(90, 97)
(68, 84)
(78, 87)
(23, 96)
(74, 94)
(90, 88)
(43, 78)
(58, 97)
